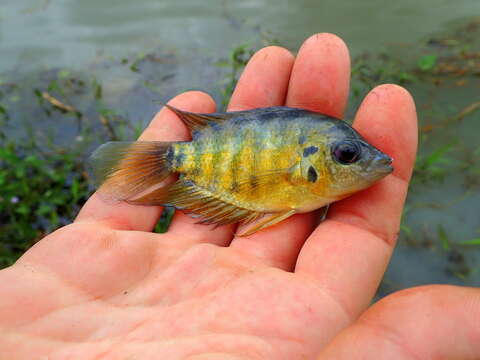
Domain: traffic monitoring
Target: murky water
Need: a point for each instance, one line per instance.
(36, 33)
(184, 40)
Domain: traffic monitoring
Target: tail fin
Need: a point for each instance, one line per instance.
(127, 169)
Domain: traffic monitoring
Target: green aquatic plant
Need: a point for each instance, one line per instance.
(3, 113)
(471, 242)
(39, 192)
(369, 71)
(427, 62)
(237, 60)
(433, 166)
(442, 236)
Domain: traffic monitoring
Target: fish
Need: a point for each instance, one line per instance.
(255, 167)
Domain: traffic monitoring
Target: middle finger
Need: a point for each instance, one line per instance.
(319, 82)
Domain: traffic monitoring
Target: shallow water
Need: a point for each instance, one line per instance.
(183, 42)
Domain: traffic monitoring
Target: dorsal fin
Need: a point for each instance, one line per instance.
(196, 121)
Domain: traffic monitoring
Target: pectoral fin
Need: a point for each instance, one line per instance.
(268, 220)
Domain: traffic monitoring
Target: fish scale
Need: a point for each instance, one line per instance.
(258, 151)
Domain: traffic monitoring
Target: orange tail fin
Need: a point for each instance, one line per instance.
(126, 170)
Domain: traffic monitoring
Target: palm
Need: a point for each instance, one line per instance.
(106, 287)
(125, 293)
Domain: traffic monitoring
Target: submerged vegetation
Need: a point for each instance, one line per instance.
(64, 114)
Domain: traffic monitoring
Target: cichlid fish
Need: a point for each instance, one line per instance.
(263, 164)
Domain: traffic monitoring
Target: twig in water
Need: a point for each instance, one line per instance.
(108, 126)
(57, 103)
(469, 109)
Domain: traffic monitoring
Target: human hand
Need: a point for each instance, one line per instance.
(105, 287)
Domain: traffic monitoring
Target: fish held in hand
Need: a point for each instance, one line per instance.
(257, 166)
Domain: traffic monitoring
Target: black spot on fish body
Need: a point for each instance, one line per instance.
(302, 139)
(169, 155)
(197, 152)
(309, 151)
(177, 157)
(312, 174)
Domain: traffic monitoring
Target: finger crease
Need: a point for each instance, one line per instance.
(359, 220)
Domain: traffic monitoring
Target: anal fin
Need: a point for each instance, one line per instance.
(202, 204)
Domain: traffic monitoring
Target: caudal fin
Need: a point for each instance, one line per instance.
(125, 170)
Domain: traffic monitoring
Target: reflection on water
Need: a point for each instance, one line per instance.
(148, 50)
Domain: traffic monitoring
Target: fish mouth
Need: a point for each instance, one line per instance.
(381, 164)
(384, 164)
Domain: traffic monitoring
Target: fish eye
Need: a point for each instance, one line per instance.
(346, 152)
